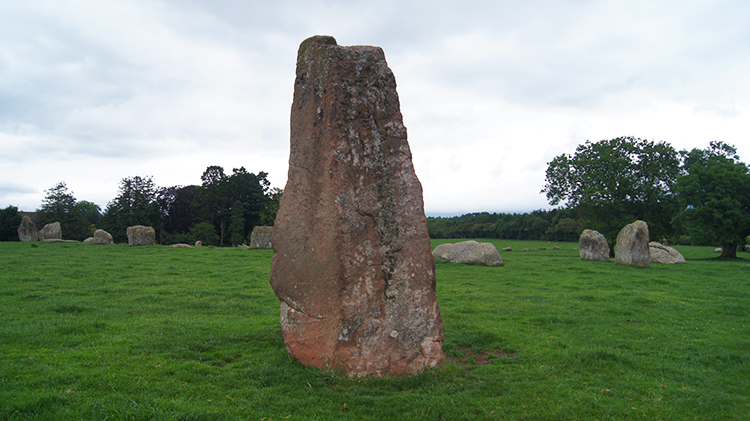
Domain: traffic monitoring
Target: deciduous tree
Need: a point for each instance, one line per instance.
(59, 205)
(135, 204)
(10, 219)
(614, 182)
(237, 224)
(714, 195)
(176, 209)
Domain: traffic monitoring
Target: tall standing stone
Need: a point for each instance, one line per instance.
(632, 245)
(593, 246)
(27, 230)
(352, 265)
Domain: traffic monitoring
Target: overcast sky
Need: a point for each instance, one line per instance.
(92, 92)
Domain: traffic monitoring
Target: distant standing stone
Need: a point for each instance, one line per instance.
(51, 231)
(139, 235)
(352, 266)
(508, 249)
(102, 237)
(199, 243)
(664, 254)
(468, 252)
(593, 246)
(632, 245)
(27, 230)
(261, 237)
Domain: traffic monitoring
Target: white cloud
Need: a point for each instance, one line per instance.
(95, 91)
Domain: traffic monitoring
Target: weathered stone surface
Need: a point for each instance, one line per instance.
(352, 265)
(27, 230)
(199, 243)
(139, 235)
(89, 240)
(181, 245)
(102, 237)
(469, 252)
(526, 249)
(593, 246)
(260, 238)
(51, 231)
(632, 245)
(508, 249)
(664, 254)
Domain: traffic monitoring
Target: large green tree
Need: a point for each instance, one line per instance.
(91, 214)
(613, 182)
(135, 204)
(714, 194)
(268, 214)
(59, 205)
(237, 224)
(10, 219)
(216, 199)
(176, 211)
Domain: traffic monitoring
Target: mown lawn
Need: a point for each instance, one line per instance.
(118, 332)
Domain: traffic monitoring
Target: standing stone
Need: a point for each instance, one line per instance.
(138, 235)
(352, 265)
(103, 237)
(261, 237)
(593, 246)
(664, 254)
(51, 231)
(632, 245)
(27, 230)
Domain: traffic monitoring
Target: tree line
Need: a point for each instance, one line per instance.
(550, 225)
(221, 211)
(701, 196)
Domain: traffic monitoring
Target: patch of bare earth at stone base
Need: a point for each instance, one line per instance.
(479, 358)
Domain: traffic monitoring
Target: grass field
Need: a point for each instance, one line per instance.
(137, 333)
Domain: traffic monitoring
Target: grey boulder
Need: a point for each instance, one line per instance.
(469, 252)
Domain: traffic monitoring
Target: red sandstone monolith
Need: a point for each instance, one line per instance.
(352, 265)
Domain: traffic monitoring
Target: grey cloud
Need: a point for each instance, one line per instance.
(11, 187)
(122, 81)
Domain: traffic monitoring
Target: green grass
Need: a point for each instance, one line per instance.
(131, 333)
